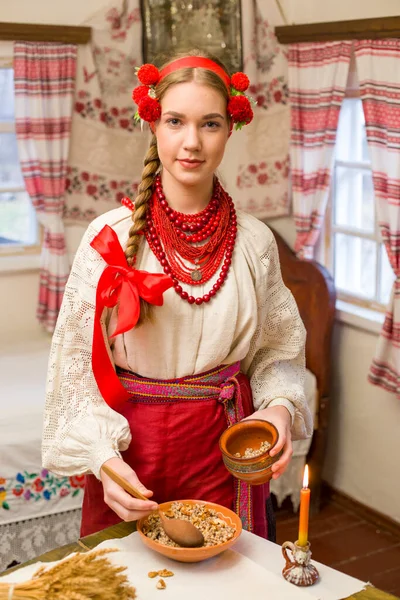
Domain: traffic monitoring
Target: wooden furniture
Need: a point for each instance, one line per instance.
(123, 529)
(313, 289)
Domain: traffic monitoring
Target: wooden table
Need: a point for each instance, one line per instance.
(123, 529)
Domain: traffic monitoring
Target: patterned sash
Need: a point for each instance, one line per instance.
(217, 384)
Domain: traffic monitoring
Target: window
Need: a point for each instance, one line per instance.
(356, 255)
(18, 223)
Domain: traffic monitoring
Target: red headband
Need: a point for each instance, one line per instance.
(197, 61)
(149, 108)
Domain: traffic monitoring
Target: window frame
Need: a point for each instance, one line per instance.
(330, 227)
(16, 250)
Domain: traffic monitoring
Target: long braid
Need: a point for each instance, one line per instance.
(145, 190)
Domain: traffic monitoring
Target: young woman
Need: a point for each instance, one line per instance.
(175, 321)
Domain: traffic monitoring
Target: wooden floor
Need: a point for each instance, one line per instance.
(341, 539)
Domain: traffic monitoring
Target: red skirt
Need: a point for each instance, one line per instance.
(175, 448)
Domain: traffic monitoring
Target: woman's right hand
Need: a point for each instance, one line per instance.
(122, 503)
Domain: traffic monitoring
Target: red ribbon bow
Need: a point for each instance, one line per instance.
(119, 283)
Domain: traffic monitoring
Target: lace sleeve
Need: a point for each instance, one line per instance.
(276, 359)
(80, 431)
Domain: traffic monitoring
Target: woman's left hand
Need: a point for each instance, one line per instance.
(280, 417)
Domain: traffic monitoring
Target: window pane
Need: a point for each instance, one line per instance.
(18, 223)
(10, 171)
(387, 277)
(351, 141)
(355, 265)
(354, 198)
(6, 95)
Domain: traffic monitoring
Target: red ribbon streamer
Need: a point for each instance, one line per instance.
(119, 283)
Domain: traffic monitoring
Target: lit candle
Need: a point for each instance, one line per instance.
(304, 510)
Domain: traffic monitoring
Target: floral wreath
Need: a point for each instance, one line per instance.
(149, 108)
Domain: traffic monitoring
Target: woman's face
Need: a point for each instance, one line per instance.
(192, 132)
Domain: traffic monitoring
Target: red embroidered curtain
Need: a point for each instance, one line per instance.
(317, 83)
(44, 75)
(378, 67)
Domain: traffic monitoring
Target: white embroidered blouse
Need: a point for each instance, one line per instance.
(253, 319)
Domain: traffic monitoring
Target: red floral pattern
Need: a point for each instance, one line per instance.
(271, 92)
(39, 486)
(267, 205)
(77, 481)
(111, 116)
(98, 187)
(265, 44)
(120, 23)
(268, 54)
(115, 71)
(262, 173)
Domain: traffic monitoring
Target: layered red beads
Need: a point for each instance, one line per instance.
(206, 240)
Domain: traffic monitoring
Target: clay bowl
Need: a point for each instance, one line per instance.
(193, 554)
(249, 434)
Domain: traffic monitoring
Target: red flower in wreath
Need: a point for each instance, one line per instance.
(239, 108)
(140, 92)
(148, 74)
(240, 82)
(149, 109)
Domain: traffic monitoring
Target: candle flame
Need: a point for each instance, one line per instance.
(305, 477)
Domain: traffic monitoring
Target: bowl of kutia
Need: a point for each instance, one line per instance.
(212, 519)
(246, 447)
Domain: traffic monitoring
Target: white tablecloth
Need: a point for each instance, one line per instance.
(252, 569)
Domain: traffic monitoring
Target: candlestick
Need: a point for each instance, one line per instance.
(298, 568)
(304, 510)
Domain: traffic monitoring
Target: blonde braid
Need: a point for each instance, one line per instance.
(145, 190)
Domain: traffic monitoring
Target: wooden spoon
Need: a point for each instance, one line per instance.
(180, 531)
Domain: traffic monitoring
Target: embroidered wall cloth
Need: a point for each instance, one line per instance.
(107, 147)
(255, 168)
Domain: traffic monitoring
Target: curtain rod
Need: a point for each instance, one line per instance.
(35, 32)
(360, 29)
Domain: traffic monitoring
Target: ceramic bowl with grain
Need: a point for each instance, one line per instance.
(192, 554)
(249, 434)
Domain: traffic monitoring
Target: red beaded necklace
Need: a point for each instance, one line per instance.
(176, 237)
